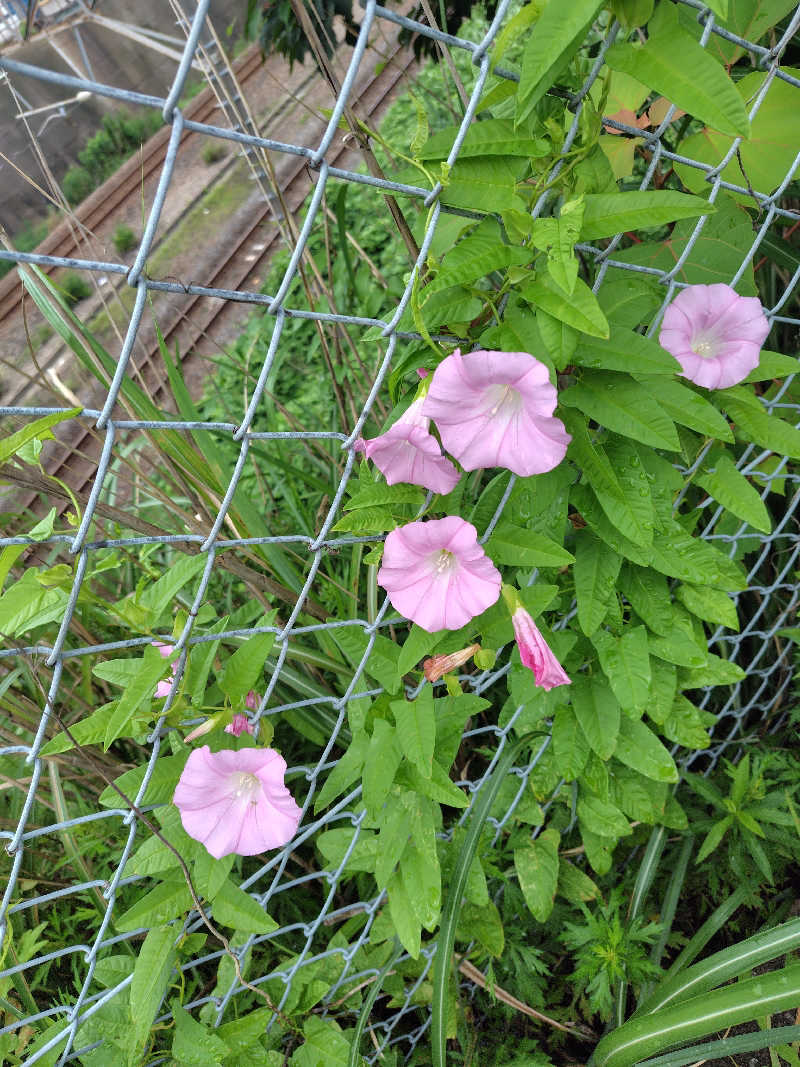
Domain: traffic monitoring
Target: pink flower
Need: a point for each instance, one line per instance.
(535, 652)
(239, 725)
(436, 573)
(236, 802)
(252, 700)
(165, 685)
(495, 409)
(437, 666)
(715, 334)
(408, 452)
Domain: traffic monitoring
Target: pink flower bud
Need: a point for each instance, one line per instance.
(535, 653)
(238, 726)
(438, 666)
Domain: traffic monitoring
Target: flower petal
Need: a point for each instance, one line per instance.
(437, 575)
(495, 409)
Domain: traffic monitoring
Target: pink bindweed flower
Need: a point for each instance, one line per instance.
(252, 700)
(236, 802)
(535, 652)
(715, 334)
(495, 409)
(437, 575)
(437, 666)
(239, 725)
(408, 452)
(165, 685)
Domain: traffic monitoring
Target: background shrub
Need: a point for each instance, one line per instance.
(124, 239)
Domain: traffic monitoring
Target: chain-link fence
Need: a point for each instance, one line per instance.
(771, 596)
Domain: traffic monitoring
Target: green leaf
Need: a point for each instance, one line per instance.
(489, 184)
(160, 788)
(649, 595)
(416, 729)
(714, 671)
(679, 555)
(766, 155)
(382, 664)
(157, 597)
(152, 668)
(383, 759)
(325, 1045)
(382, 495)
(346, 771)
(606, 215)
(675, 65)
(626, 663)
(474, 258)
(237, 909)
(601, 818)
(575, 885)
(678, 647)
(619, 403)
(639, 748)
(423, 883)
(193, 1045)
(754, 423)
(632, 13)
(636, 519)
(120, 672)
(710, 604)
(518, 547)
(715, 254)
(38, 428)
(729, 487)
(404, 918)
(689, 408)
(597, 711)
(438, 787)
(592, 459)
(392, 841)
(493, 137)
(419, 643)
(595, 573)
(773, 365)
(588, 506)
(366, 520)
(201, 659)
(580, 310)
(558, 35)
(245, 668)
(570, 747)
(557, 237)
(685, 724)
(150, 980)
(27, 604)
(627, 351)
(168, 900)
(536, 864)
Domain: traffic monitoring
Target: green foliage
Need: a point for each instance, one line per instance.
(541, 879)
(75, 288)
(120, 135)
(124, 239)
(213, 152)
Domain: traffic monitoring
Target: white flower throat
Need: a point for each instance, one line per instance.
(505, 398)
(246, 786)
(443, 561)
(704, 346)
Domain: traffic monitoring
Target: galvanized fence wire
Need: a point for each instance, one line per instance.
(757, 648)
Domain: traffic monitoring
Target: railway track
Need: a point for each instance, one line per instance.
(66, 239)
(73, 458)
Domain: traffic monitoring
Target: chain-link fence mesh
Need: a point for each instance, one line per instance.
(770, 598)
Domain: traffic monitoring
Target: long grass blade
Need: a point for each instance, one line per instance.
(354, 1059)
(708, 1013)
(452, 908)
(763, 1039)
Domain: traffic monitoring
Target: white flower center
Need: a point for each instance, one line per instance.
(246, 786)
(704, 346)
(504, 397)
(443, 561)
